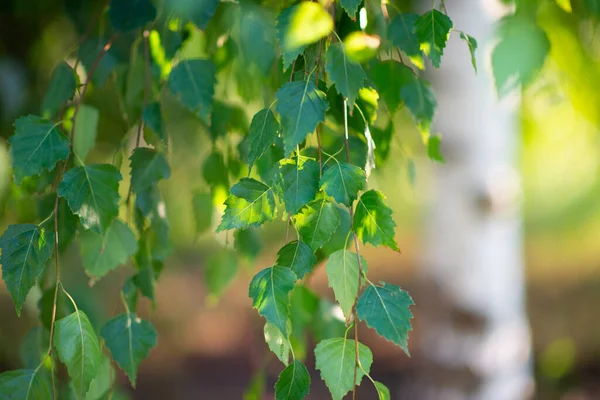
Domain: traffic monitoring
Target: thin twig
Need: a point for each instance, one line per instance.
(88, 30)
(318, 129)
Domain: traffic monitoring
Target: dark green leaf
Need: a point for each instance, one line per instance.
(214, 170)
(148, 166)
(197, 11)
(297, 256)
(304, 305)
(472, 43)
(277, 342)
(263, 131)
(343, 182)
(420, 100)
(301, 106)
(37, 145)
(269, 291)
(129, 340)
(103, 382)
(102, 253)
(299, 182)
(24, 384)
(202, 206)
(317, 221)
(433, 29)
(78, 348)
(251, 203)
(402, 33)
(193, 80)
(347, 75)
(60, 90)
(389, 77)
(342, 270)
(45, 305)
(148, 269)
(386, 309)
(25, 250)
(257, 37)
(128, 15)
(34, 347)
(92, 192)
(219, 272)
(227, 118)
(335, 358)
(338, 239)
(373, 221)
(351, 6)
(293, 382)
(88, 53)
(130, 292)
(247, 243)
(86, 130)
(152, 117)
(433, 148)
(67, 221)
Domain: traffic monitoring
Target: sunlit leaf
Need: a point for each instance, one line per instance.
(361, 47)
(299, 182)
(297, 256)
(382, 391)
(433, 29)
(472, 43)
(402, 33)
(347, 75)
(433, 148)
(316, 222)
(373, 222)
(251, 203)
(342, 270)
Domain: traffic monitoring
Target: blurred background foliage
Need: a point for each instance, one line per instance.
(560, 165)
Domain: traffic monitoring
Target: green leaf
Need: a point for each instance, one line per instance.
(299, 181)
(263, 131)
(202, 206)
(148, 166)
(197, 11)
(148, 269)
(24, 384)
(130, 292)
(45, 306)
(420, 100)
(293, 382)
(304, 304)
(219, 272)
(299, 26)
(277, 342)
(247, 243)
(519, 55)
(433, 148)
(389, 77)
(152, 117)
(347, 75)
(338, 239)
(92, 192)
(316, 222)
(269, 291)
(25, 250)
(34, 347)
(60, 90)
(257, 37)
(335, 358)
(301, 106)
(67, 221)
(128, 15)
(382, 391)
(129, 340)
(193, 81)
(343, 182)
(373, 221)
(472, 43)
(350, 6)
(214, 170)
(103, 382)
(386, 309)
(101, 254)
(343, 270)
(37, 145)
(297, 256)
(402, 33)
(251, 203)
(433, 29)
(327, 323)
(78, 348)
(226, 119)
(86, 129)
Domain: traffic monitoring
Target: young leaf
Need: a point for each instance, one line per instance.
(299, 26)
(202, 206)
(60, 90)
(92, 192)
(299, 181)
(350, 6)
(420, 100)
(343, 182)
(433, 149)
(129, 340)
(24, 384)
(148, 166)
(86, 130)
(373, 221)
(269, 291)
(297, 256)
(25, 250)
(472, 43)
(220, 271)
(277, 342)
(347, 75)
(263, 130)
(335, 358)
(128, 15)
(193, 80)
(301, 106)
(78, 348)
(402, 33)
(316, 222)
(101, 254)
(386, 309)
(251, 203)
(37, 145)
(433, 29)
(153, 119)
(293, 382)
(342, 270)
(382, 391)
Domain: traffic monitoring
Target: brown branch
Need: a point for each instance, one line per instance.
(318, 126)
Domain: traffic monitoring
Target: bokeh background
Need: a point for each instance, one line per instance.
(212, 348)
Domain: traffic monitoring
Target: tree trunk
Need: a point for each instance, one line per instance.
(476, 342)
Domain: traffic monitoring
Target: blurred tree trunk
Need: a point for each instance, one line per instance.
(476, 341)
